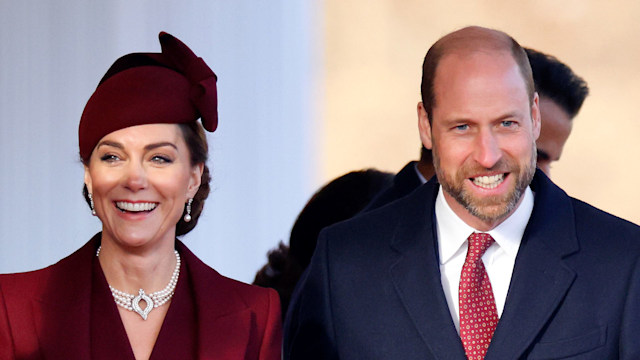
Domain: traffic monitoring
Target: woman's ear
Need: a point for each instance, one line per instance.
(194, 180)
(87, 180)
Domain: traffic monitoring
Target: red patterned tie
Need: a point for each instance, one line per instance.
(478, 316)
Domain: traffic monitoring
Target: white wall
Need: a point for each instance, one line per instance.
(263, 155)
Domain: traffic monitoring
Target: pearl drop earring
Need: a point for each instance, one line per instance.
(187, 216)
(93, 208)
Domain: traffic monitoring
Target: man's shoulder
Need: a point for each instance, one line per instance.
(404, 182)
(598, 221)
(553, 207)
(371, 221)
(378, 225)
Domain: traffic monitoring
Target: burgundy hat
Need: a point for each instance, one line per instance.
(171, 87)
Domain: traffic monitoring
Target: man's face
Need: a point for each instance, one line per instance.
(555, 130)
(482, 135)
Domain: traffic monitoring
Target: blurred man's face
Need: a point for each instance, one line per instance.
(556, 127)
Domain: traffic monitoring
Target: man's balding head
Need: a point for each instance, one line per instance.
(467, 41)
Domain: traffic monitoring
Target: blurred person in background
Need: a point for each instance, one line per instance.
(412, 175)
(340, 199)
(562, 94)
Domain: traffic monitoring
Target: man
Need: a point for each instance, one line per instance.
(561, 93)
(547, 276)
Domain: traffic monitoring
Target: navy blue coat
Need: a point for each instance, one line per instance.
(373, 289)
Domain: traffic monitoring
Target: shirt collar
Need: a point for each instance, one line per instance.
(453, 231)
(420, 176)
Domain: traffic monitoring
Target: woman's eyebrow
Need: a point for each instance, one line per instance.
(110, 143)
(160, 144)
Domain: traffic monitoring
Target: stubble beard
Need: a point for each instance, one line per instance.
(487, 209)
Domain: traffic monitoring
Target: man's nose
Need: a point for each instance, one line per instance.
(487, 151)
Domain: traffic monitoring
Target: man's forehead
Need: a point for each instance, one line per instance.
(466, 63)
(486, 82)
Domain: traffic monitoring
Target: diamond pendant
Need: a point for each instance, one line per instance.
(135, 304)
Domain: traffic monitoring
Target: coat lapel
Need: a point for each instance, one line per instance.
(64, 307)
(540, 277)
(416, 275)
(539, 283)
(224, 321)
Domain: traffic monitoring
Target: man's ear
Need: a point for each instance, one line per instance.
(424, 126)
(535, 116)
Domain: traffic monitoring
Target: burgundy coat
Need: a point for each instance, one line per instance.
(46, 313)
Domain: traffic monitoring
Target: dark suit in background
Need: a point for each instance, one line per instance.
(404, 183)
(373, 289)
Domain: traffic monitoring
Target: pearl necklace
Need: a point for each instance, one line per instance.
(132, 302)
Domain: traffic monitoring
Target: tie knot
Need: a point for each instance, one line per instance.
(478, 244)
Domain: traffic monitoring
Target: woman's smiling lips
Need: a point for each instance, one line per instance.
(130, 206)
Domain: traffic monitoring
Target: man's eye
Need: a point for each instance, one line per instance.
(508, 123)
(462, 127)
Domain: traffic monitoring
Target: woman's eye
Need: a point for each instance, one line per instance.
(109, 158)
(158, 159)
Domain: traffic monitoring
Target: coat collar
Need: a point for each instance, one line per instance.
(64, 308)
(224, 319)
(416, 252)
(540, 278)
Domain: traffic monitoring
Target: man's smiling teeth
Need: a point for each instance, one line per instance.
(135, 207)
(489, 182)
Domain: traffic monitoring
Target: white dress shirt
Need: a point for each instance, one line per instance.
(498, 260)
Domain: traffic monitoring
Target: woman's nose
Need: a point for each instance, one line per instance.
(135, 176)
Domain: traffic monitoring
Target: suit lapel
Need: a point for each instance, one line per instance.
(539, 283)
(540, 277)
(64, 307)
(416, 275)
(224, 321)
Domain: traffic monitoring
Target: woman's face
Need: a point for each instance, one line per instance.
(141, 177)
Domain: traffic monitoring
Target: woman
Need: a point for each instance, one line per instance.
(134, 291)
